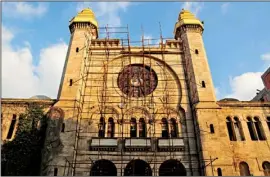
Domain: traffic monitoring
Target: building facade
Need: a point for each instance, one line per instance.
(128, 110)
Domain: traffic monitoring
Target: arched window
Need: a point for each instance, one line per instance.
(251, 129)
(266, 168)
(244, 169)
(219, 172)
(110, 131)
(133, 128)
(230, 129)
(164, 128)
(259, 129)
(238, 130)
(142, 128)
(174, 128)
(101, 127)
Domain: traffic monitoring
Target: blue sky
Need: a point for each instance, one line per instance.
(36, 35)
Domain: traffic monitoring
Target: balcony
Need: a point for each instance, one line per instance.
(103, 144)
(137, 144)
(171, 144)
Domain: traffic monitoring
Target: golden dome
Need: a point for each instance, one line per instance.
(187, 18)
(86, 15)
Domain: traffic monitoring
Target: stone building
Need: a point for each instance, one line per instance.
(125, 109)
(264, 94)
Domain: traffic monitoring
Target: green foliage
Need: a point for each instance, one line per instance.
(22, 155)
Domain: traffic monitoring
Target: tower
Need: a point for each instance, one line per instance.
(82, 26)
(189, 30)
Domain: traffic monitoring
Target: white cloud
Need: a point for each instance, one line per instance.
(194, 7)
(107, 13)
(24, 10)
(265, 56)
(20, 78)
(224, 7)
(244, 86)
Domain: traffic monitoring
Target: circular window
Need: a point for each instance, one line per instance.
(137, 80)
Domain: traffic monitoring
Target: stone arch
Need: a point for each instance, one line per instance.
(168, 112)
(173, 114)
(168, 67)
(110, 112)
(172, 167)
(103, 167)
(138, 112)
(137, 167)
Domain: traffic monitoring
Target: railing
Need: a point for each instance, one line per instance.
(136, 144)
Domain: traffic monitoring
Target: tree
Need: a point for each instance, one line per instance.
(22, 155)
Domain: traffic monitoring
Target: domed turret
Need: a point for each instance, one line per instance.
(187, 18)
(86, 16)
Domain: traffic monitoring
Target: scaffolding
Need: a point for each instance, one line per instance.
(95, 88)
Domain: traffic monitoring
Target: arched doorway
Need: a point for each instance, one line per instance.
(138, 168)
(244, 169)
(172, 168)
(103, 168)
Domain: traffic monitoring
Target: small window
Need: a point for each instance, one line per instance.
(230, 129)
(196, 51)
(142, 128)
(133, 128)
(259, 129)
(11, 127)
(77, 49)
(203, 84)
(164, 128)
(101, 127)
(219, 171)
(268, 122)
(63, 127)
(55, 171)
(111, 127)
(251, 129)
(174, 128)
(212, 130)
(70, 82)
(239, 134)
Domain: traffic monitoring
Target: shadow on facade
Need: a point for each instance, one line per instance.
(138, 168)
(103, 168)
(172, 168)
